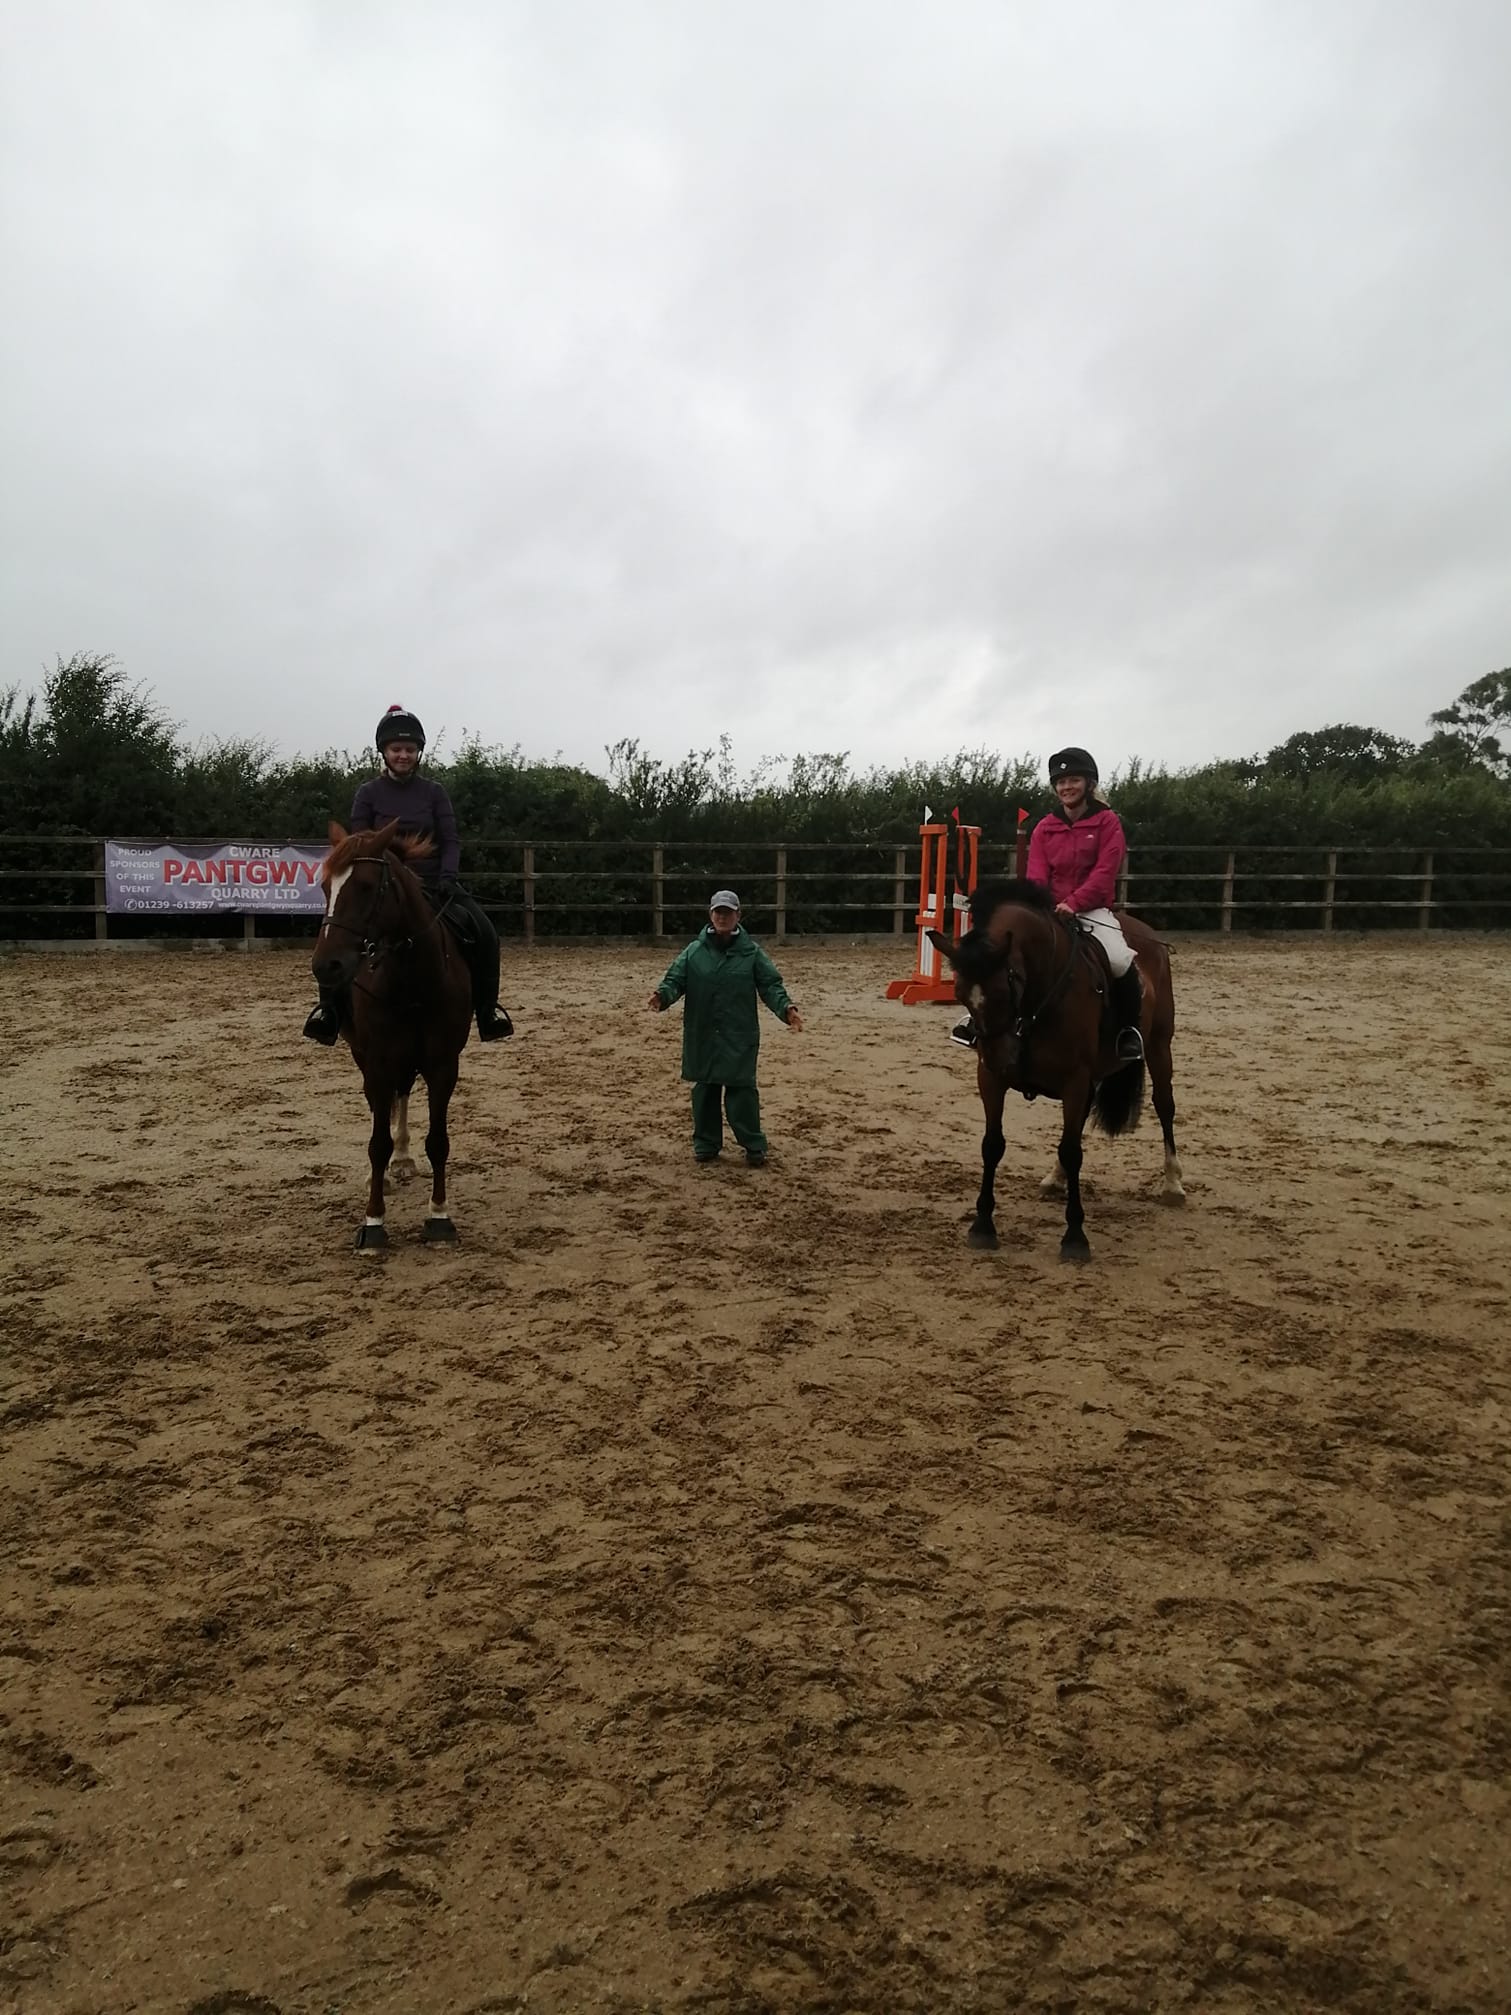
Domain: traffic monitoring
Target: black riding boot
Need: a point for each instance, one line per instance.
(482, 956)
(1127, 1002)
(324, 1024)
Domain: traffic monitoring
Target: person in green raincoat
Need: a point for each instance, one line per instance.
(721, 973)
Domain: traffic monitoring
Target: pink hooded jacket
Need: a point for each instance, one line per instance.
(1078, 859)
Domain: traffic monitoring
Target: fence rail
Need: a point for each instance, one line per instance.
(658, 888)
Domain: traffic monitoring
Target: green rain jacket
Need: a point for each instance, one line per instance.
(721, 1032)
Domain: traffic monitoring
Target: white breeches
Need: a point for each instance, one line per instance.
(1108, 932)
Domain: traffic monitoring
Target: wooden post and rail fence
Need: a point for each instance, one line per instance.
(53, 888)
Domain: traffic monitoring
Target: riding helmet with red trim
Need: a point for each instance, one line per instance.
(1072, 763)
(399, 725)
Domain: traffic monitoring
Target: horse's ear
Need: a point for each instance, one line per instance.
(385, 835)
(941, 944)
(336, 834)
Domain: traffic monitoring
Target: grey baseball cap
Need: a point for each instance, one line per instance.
(724, 899)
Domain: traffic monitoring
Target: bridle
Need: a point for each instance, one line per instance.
(1023, 1022)
(376, 948)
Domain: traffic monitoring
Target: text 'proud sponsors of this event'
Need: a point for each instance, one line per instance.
(141, 880)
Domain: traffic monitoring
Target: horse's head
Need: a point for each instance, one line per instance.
(992, 962)
(369, 896)
(988, 983)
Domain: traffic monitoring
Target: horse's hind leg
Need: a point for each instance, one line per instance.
(439, 1230)
(1162, 1086)
(379, 1148)
(402, 1166)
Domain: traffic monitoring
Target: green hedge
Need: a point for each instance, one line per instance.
(92, 755)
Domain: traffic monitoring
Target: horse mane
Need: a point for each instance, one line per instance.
(977, 955)
(361, 847)
(993, 895)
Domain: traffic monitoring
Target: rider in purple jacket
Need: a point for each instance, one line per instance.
(421, 806)
(1075, 853)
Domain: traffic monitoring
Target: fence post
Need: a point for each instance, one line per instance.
(1121, 897)
(1329, 891)
(248, 931)
(899, 869)
(658, 892)
(1227, 895)
(529, 881)
(101, 920)
(1424, 900)
(781, 895)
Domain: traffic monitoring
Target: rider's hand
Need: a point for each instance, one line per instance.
(655, 1003)
(794, 1019)
(1064, 910)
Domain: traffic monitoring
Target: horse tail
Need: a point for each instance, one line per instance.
(1118, 1100)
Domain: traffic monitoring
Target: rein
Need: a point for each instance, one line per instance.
(1024, 1024)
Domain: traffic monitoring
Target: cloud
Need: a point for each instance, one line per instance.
(834, 377)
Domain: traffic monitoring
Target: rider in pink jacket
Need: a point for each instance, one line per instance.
(1077, 858)
(1075, 853)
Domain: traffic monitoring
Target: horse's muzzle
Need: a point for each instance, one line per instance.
(334, 969)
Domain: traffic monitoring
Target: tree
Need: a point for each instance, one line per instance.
(106, 760)
(1360, 755)
(1477, 720)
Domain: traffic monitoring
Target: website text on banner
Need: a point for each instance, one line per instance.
(227, 880)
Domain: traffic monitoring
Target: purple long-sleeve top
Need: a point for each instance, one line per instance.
(421, 806)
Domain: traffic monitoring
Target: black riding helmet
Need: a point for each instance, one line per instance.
(1073, 763)
(399, 725)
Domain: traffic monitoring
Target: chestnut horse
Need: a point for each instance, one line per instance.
(1037, 993)
(408, 1004)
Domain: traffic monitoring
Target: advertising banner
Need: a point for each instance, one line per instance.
(224, 880)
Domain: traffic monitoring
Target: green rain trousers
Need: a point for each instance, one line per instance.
(742, 1102)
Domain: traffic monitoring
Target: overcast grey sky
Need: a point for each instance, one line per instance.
(888, 377)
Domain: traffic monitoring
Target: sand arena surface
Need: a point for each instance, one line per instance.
(714, 1589)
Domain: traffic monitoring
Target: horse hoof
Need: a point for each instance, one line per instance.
(983, 1237)
(1075, 1253)
(1053, 1186)
(1173, 1197)
(403, 1171)
(439, 1231)
(370, 1237)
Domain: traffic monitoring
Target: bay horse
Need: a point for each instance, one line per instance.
(1037, 992)
(408, 1004)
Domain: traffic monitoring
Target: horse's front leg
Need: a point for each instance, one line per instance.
(372, 1233)
(439, 1230)
(983, 1232)
(1075, 1106)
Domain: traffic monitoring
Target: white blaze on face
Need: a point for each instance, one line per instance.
(338, 883)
